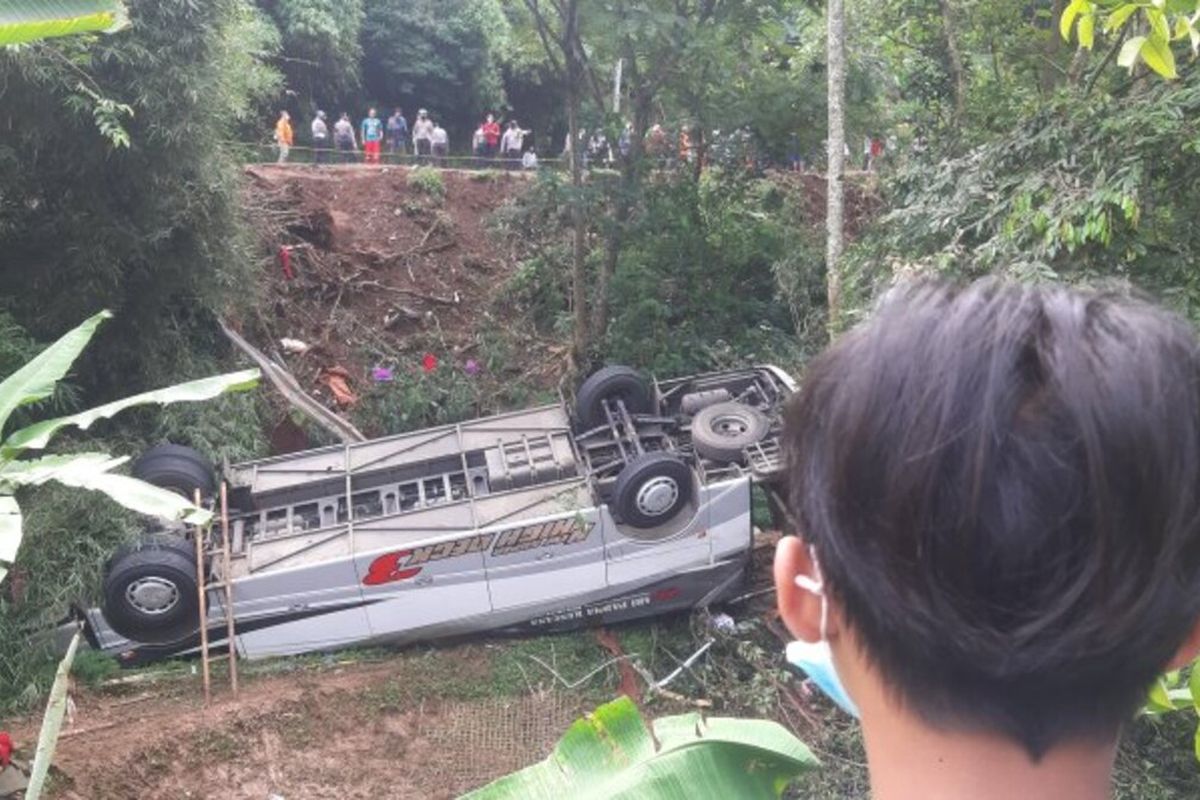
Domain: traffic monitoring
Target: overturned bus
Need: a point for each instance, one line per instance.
(631, 498)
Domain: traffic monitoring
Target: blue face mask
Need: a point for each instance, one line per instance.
(816, 658)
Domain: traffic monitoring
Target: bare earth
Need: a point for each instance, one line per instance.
(338, 730)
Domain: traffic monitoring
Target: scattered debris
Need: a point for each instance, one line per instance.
(285, 262)
(687, 664)
(337, 380)
(294, 346)
(629, 685)
(286, 385)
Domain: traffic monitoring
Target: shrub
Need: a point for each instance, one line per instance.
(427, 181)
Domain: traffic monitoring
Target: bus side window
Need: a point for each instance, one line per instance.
(306, 517)
(328, 517)
(389, 503)
(435, 491)
(277, 522)
(367, 504)
(410, 495)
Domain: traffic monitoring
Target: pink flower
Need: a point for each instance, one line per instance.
(472, 367)
(429, 362)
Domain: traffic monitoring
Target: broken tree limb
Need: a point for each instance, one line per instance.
(285, 383)
(445, 301)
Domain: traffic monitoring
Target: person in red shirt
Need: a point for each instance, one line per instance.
(491, 136)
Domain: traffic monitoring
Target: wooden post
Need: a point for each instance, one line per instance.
(202, 590)
(225, 579)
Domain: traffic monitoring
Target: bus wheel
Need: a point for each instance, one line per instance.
(652, 489)
(720, 432)
(612, 383)
(150, 592)
(178, 468)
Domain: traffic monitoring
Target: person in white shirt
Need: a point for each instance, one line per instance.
(422, 133)
(529, 160)
(320, 137)
(440, 143)
(512, 142)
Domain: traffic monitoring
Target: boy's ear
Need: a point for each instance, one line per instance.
(800, 609)
(1188, 651)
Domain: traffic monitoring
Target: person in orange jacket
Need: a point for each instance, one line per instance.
(283, 135)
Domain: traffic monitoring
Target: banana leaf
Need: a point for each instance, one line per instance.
(38, 435)
(52, 721)
(36, 380)
(612, 755)
(24, 21)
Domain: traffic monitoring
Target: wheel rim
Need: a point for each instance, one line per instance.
(152, 595)
(730, 426)
(657, 496)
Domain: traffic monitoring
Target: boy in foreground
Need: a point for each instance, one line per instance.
(995, 489)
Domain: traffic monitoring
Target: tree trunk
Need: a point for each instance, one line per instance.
(836, 57)
(579, 300)
(958, 73)
(623, 205)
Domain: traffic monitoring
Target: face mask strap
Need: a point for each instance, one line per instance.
(816, 586)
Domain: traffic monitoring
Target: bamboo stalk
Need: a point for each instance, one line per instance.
(225, 578)
(202, 591)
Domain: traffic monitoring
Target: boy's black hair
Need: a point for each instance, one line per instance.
(1002, 485)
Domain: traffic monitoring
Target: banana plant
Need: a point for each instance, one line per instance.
(52, 720)
(611, 754)
(19, 468)
(23, 21)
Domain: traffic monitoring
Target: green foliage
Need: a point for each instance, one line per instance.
(35, 382)
(418, 399)
(1164, 23)
(92, 668)
(613, 753)
(428, 181)
(151, 230)
(321, 40)
(1082, 192)
(443, 55)
(696, 284)
(33, 22)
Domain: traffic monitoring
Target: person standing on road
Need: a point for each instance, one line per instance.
(422, 131)
(283, 135)
(343, 138)
(397, 131)
(512, 142)
(440, 143)
(479, 143)
(491, 135)
(372, 136)
(320, 137)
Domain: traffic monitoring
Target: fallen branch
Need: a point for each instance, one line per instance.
(446, 301)
(286, 384)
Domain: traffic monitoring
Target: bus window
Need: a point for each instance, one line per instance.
(306, 517)
(389, 503)
(458, 486)
(367, 504)
(277, 522)
(250, 525)
(435, 491)
(410, 496)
